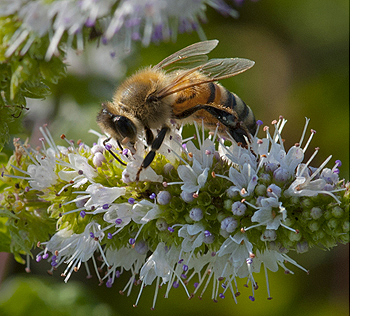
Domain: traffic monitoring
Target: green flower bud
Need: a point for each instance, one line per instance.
(314, 226)
(177, 204)
(337, 212)
(204, 199)
(316, 212)
(332, 223)
(307, 203)
(260, 190)
(294, 236)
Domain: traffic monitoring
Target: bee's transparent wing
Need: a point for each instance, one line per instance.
(190, 56)
(214, 70)
(221, 68)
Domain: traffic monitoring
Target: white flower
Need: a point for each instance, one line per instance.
(10, 6)
(282, 163)
(304, 185)
(198, 261)
(204, 155)
(126, 258)
(266, 215)
(74, 249)
(119, 214)
(194, 177)
(330, 176)
(130, 172)
(145, 211)
(238, 155)
(156, 266)
(244, 180)
(294, 157)
(81, 173)
(238, 247)
(271, 260)
(287, 163)
(101, 195)
(193, 236)
(273, 190)
(173, 234)
(58, 240)
(42, 175)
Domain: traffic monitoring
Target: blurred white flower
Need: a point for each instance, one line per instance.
(119, 22)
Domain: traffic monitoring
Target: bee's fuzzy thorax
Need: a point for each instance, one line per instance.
(134, 96)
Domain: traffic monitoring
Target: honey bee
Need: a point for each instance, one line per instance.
(152, 97)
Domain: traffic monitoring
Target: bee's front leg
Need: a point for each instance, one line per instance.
(156, 143)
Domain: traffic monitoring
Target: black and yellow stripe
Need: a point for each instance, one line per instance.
(234, 102)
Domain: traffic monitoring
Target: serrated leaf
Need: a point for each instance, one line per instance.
(35, 90)
(53, 70)
(5, 213)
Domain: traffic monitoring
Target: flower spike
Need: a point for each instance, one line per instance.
(203, 209)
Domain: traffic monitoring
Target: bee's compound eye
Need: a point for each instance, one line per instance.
(125, 127)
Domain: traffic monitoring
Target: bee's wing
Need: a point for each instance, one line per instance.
(221, 68)
(191, 55)
(214, 70)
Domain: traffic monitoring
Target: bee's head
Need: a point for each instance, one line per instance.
(119, 127)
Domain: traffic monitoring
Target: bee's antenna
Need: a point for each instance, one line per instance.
(108, 147)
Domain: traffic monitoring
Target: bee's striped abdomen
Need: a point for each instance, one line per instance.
(212, 102)
(232, 101)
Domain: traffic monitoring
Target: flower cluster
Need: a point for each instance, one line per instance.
(206, 211)
(124, 21)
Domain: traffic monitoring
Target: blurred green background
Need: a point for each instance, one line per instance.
(301, 50)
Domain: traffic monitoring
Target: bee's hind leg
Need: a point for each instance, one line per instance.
(239, 134)
(156, 143)
(225, 116)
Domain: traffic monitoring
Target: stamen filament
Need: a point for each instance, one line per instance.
(304, 130)
(321, 167)
(308, 141)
